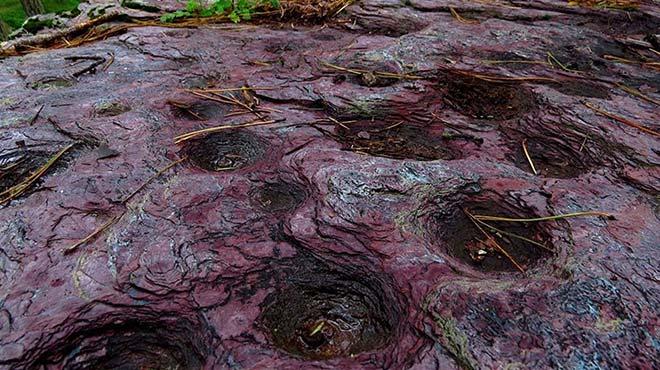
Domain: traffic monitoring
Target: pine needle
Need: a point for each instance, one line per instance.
(116, 218)
(17, 190)
(552, 59)
(547, 218)
(499, 231)
(317, 328)
(152, 178)
(93, 235)
(637, 93)
(458, 17)
(529, 159)
(190, 135)
(623, 120)
(493, 243)
(375, 73)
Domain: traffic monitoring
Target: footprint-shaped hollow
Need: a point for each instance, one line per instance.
(491, 245)
(324, 315)
(133, 344)
(279, 197)
(225, 151)
(399, 140)
(483, 98)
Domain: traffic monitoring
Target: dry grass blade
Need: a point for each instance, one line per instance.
(547, 218)
(190, 135)
(619, 119)
(493, 243)
(529, 159)
(17, 190)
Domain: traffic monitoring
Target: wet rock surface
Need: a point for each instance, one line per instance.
(340, 235)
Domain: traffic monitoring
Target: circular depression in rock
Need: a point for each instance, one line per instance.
(482, 99)
(493, 246)
(582, 88)
(198, 111)
(279, 197)
(553, 158)
(326, 315)
(398, 140)
(132, 345)
(225, 151)
(17, 165)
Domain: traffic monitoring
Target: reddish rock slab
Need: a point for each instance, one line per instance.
(337, 236)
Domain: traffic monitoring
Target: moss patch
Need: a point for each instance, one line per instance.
(456, 342)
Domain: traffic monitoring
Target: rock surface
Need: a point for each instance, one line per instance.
(336, 237)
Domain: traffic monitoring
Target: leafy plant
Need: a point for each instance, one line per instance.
(235, 10)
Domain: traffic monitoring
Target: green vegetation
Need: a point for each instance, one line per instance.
(236, 10)
(12, 12)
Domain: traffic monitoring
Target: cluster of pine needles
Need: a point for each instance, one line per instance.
(611, 4)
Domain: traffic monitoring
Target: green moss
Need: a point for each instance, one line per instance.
(33, 25)
(51, 84)
(4, 102)
(12, 121)
(139, 5)
(456, 342)
(609, 325)
(12, 12)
